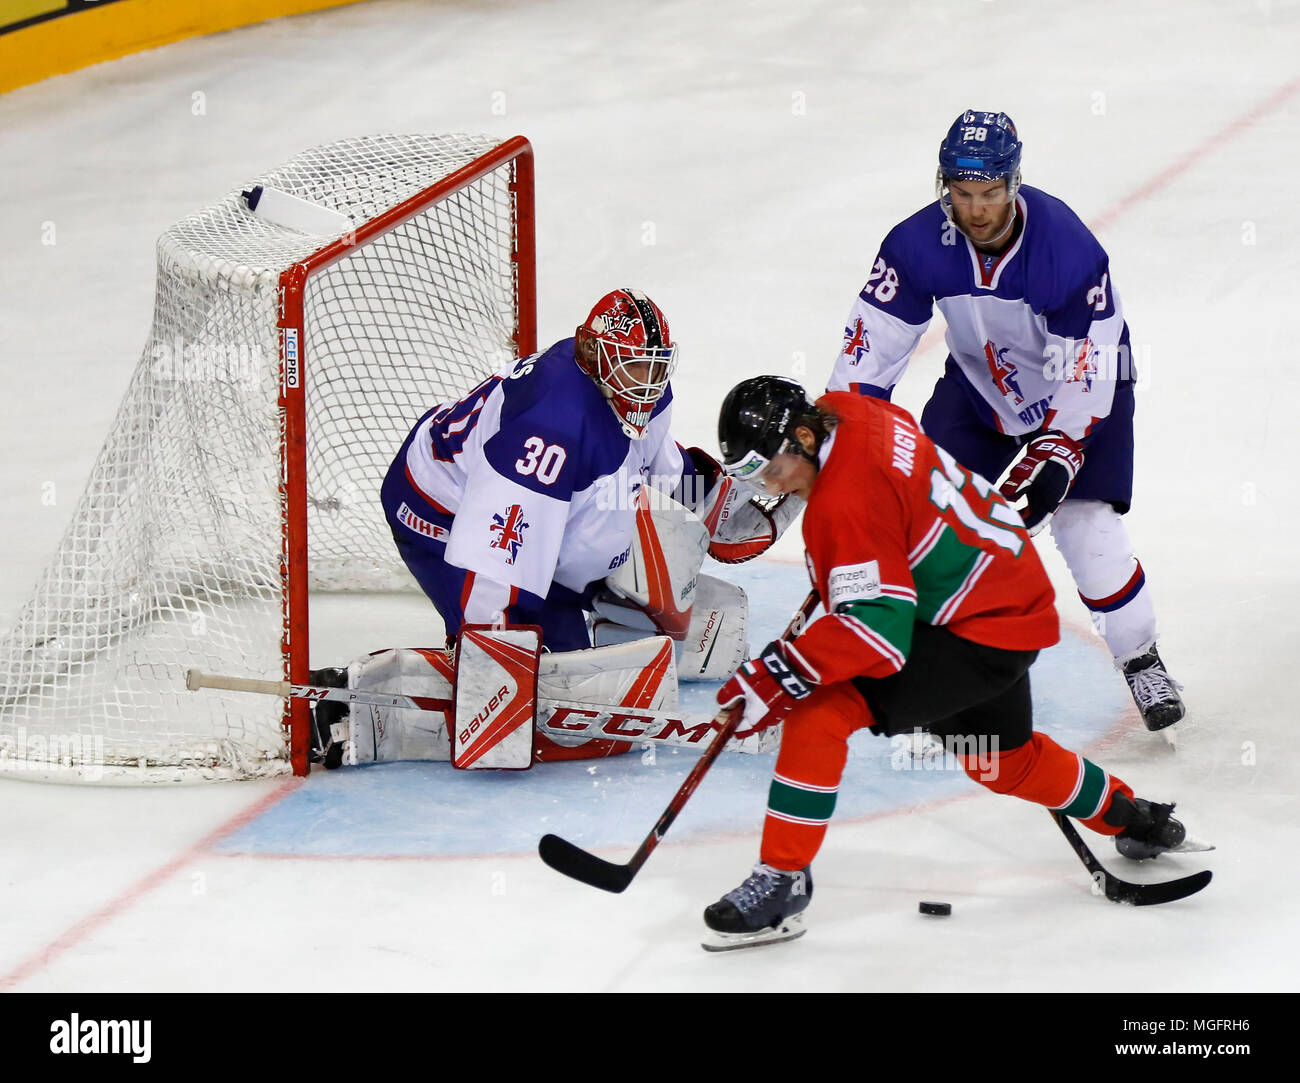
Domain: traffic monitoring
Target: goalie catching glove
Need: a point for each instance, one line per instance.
(1042, 477)
(766, 688)
(740, 525)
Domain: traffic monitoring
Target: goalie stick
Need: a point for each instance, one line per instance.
(555, 718)
(1122, 891)
(579, 864)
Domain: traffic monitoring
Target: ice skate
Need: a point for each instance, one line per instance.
(765, 909)
(1154, 691)
(1151, 830)
(325, 715)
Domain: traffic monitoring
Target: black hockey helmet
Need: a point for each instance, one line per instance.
(757, 420)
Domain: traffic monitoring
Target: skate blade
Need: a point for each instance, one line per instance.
(1191, 845)
(790, 929)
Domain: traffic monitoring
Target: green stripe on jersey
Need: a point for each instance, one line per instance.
(941, 573)
(891, 618)
(790, 800)
(1090, 792)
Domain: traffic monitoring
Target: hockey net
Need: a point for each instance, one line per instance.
(243, 468)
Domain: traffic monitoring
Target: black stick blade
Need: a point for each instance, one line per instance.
(1166, 891)
(1123, 891)
(577, 864)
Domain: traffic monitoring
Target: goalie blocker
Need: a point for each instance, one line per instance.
(660, 588)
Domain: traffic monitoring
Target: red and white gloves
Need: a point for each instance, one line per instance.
(768, 687)
(1042, 477)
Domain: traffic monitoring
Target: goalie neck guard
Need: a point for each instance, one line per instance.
(624, 346)
(757, 422)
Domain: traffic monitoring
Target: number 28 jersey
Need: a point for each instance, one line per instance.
(897, 532)
(538, 475)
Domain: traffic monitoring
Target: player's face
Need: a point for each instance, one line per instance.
(789, 472)
(629, 375)
(981, 209)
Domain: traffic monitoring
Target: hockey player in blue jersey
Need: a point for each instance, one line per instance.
(1039, 375)
(513, 504)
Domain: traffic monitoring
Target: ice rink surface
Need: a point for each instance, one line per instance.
(740, 162)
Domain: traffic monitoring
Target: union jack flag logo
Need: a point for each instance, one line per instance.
(509, 530)
(1003, 371)
(1085, 365)
(856, 341)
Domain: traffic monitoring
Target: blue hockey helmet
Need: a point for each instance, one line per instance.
(980, 147)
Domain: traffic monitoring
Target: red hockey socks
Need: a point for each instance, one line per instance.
(814, 749)
(1043, 772)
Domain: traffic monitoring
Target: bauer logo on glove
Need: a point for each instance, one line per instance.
(1042, 477)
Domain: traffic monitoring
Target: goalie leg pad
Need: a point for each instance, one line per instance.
(381, 734)
(716, 640)
(496, 697)
(638, 675)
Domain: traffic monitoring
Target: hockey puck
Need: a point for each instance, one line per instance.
(936, 908)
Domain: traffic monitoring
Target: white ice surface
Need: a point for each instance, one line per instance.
(740, 161)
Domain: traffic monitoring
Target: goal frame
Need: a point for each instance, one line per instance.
(295, 376)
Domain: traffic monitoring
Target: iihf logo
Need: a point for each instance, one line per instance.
(856, 341)
(509, 529)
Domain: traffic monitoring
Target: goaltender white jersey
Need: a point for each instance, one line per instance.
(539, 476)
(1038, 332)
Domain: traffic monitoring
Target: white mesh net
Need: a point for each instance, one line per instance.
(173, 558)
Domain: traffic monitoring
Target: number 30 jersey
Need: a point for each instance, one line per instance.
(539, 476)
(897, 532)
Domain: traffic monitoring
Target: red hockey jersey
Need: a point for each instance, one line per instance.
(897, 532)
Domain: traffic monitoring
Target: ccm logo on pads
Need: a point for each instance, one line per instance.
(853, 583)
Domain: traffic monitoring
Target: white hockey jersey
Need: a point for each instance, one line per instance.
(1038, 331)
(539, 476)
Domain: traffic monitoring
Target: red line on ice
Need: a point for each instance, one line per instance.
(95, 921)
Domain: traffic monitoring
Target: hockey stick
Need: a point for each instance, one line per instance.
(196, 679)
(555, 718)
(1122, 891)
(579, 864)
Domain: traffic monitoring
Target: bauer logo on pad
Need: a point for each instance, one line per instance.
(496, 697)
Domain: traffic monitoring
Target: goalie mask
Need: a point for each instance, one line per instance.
(625, 348)
(757, 422)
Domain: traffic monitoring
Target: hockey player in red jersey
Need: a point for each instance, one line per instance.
(936, 606)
